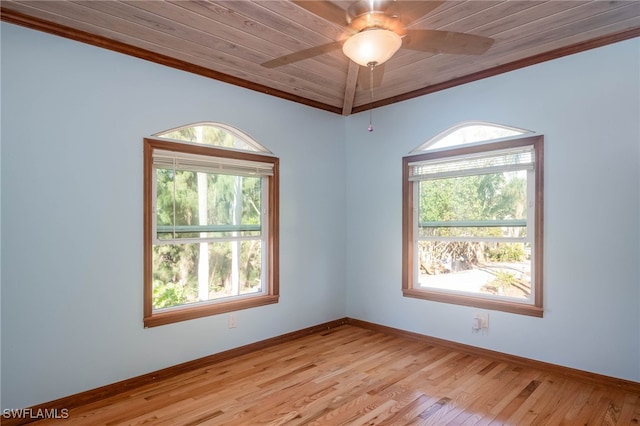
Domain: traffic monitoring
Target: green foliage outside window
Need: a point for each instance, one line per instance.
(471, 206)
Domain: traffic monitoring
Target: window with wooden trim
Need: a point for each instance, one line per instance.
(210, 223)
(472, 222)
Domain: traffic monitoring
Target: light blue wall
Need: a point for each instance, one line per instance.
(72, 126)
(73, 119)
(587, 107)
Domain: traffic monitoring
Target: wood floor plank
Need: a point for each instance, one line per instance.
(497, 395)
(630, 410)
(559, 406)
(522, 414)
(350, 375)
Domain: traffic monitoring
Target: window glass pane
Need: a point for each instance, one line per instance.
(502, 269)
(475, 133)
(431, 230)
(459, 221)
(468, 133)
(215, 134)
(477, 201)
(233, 268)
(207, 205)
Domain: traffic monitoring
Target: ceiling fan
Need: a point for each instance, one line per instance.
(376, 29)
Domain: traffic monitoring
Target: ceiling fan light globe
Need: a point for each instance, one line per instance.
(372, 46)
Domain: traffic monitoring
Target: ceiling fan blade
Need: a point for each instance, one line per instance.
(436, 41)
(326, 10)
(364, 77)
(302, 54)
(410, 11)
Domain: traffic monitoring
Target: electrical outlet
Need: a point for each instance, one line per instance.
(232, 321)
(480, 322)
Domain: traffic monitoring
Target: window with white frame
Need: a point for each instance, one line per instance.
(472, 221)
(211, 223)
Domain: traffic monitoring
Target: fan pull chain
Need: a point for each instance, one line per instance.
(371, 67)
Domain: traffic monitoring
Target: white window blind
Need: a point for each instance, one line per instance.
(208, 164)
(521, 158)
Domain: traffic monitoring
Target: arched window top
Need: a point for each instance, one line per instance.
(469, 132)
(214, 134)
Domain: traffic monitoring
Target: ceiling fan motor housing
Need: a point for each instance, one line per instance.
(365, 6)
(365, 15)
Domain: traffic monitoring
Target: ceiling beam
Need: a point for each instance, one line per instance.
(350, 88)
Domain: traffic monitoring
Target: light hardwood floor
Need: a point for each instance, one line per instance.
(356, 376)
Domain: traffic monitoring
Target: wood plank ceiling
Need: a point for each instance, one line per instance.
(232, 40)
